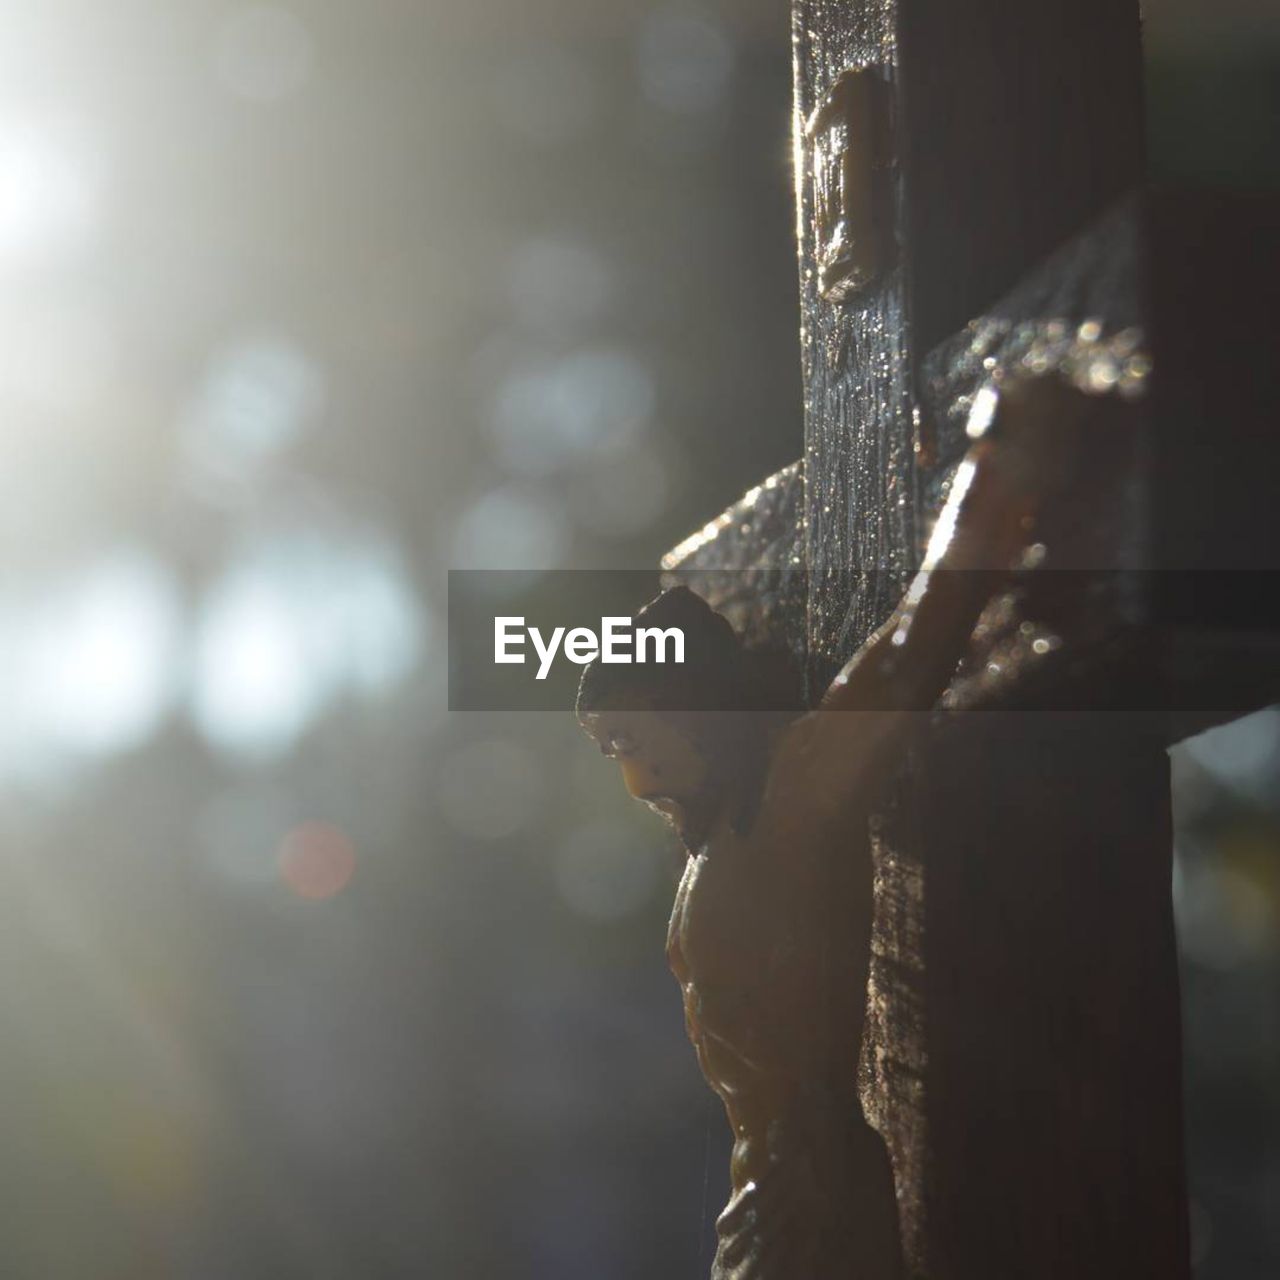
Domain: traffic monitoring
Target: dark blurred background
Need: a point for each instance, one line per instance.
(300, 974)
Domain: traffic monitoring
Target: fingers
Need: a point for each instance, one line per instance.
(1042, 429)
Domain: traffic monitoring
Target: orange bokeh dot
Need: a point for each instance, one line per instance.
(316, 860)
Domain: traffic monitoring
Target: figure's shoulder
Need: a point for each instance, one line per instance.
(799, 743)
(790, 782)
(824, 767)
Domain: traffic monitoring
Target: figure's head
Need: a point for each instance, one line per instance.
(690, 739)
(663, 764)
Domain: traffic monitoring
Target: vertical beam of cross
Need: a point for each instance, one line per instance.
(1022, 1051)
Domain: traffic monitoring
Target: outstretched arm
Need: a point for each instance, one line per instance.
(1027, 442)
(1025, 448)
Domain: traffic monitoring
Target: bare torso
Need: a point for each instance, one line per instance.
(769, 940)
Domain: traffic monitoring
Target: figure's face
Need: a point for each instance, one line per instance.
(660, 764)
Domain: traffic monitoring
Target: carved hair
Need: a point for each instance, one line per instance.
(712, 676)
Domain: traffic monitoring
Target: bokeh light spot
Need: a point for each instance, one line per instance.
(258, 396)
(293, 623)
(317, 860)
(511, 528)
(685, 60)
(595, 399)
(253, 692)
(90, 664)
(558, 285)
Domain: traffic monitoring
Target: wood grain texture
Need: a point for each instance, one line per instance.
(1022, 1048)
(861, 542)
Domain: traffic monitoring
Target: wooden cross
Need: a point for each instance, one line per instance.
(1022, 1056)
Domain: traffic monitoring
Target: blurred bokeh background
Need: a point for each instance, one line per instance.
(300, 305)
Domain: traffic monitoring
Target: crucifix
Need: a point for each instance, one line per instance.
(977, 247)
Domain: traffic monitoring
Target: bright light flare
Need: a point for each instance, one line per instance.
(291, 625)
(253, 690)
(49, 191)
(90, 663)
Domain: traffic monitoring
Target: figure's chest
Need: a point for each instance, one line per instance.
(727, 923)
(744, 915)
